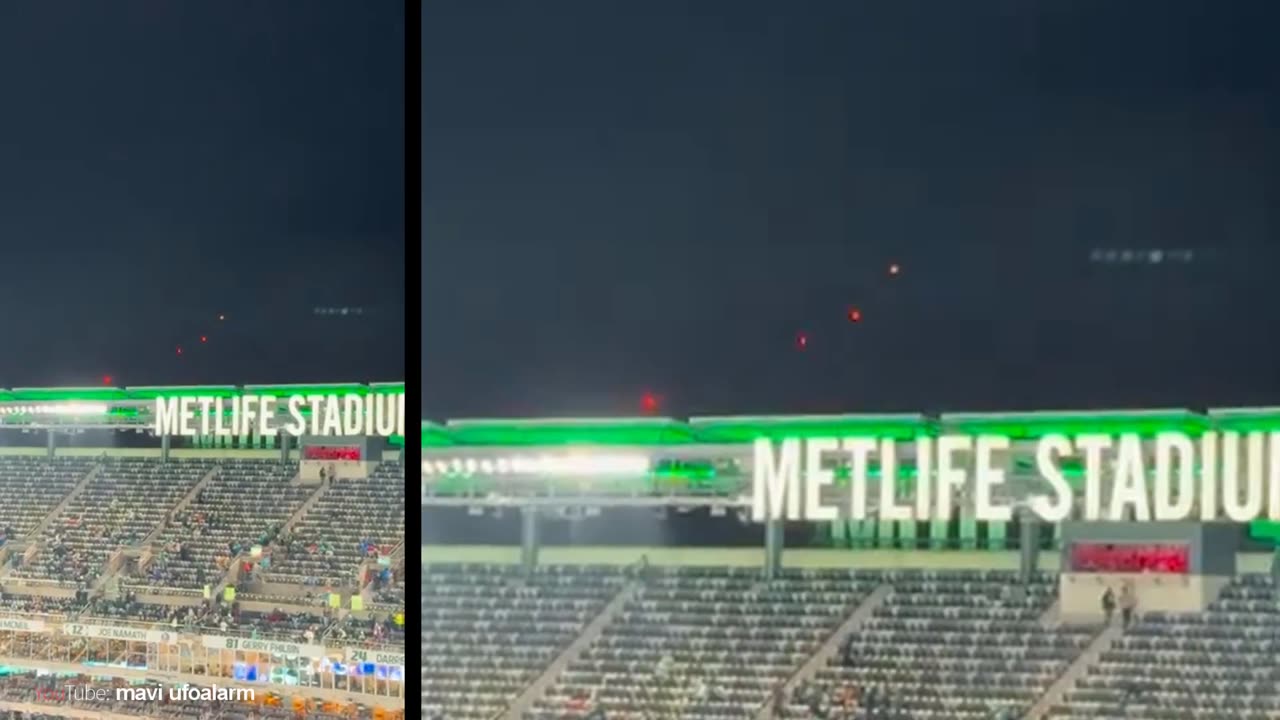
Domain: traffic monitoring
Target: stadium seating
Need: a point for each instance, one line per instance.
(127, 607)
(31, 487)
(959, 644)
(355, 631)
(245, 504)
(276, 624)
(1216, 665)
(38, 605)
(708, 643)
(108, 540)
(715, 643)
(488, 632)
(326, 546)
(124, 504)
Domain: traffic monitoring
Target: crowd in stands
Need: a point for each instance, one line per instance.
(31, 487)
(126, 606)
(355, 521)
(121, 506)
(39, 604)
(842, 701)
(718, 643)
(277, 623)
(177, 527)
(388, 586)
(244, 505)
(377, 630)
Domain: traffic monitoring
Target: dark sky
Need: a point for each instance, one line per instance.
(165, 162)
(624, 197)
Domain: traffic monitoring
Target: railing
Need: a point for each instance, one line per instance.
(14, 579)
(654, 485)
(57, 623)
(160, 590)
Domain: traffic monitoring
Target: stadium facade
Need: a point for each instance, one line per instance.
(687, 607)
(260, 561)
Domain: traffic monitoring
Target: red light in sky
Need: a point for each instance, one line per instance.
(802, 341)
(179, 350)
(649, 403)
(855, 315)
(204, 338)
(106, 379)
(894, 269)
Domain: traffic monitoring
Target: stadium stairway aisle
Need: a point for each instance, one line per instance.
(233, 569)
(832, 647)
(956, 645)
(1220, 664)
(490, 631)
(707, 643)
(583, 641)
(1056, 692)
(71, 497)
(183, 504)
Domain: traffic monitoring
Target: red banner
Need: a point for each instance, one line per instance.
(1114, 558)
(330, 453)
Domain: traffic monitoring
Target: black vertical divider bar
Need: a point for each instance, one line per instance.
(415, 384)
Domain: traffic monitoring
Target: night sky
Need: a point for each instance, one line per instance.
(162, 163)
(623, 197)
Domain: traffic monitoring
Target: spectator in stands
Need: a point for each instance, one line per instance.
(1128, 603)
(1132, 692)
(818, 704)
(1109, 604)
(851, 654)
(698, 690)
(665, 666)
(849, 699)
(645, 572)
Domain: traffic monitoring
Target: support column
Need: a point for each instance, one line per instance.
(1029, 544)
(285, 439)
(1275, 571)
(164, 448)
(529, 539)
(53, 443)
(773, 542)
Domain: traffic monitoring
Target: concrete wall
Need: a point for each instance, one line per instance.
(754, 557)
(1213, 546)
(1080, 594)
(309, 470)
(213, 453)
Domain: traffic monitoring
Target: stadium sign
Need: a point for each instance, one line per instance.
(347, 415)
(1214, 474)
(108, 632)
(220, 642)
(19, 625)
(361, 655)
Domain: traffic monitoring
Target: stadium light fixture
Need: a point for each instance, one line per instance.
(71, 409)
(573, 465)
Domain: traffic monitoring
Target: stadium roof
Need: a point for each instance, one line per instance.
(743, 429)
(131, 407)
(145, 394)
